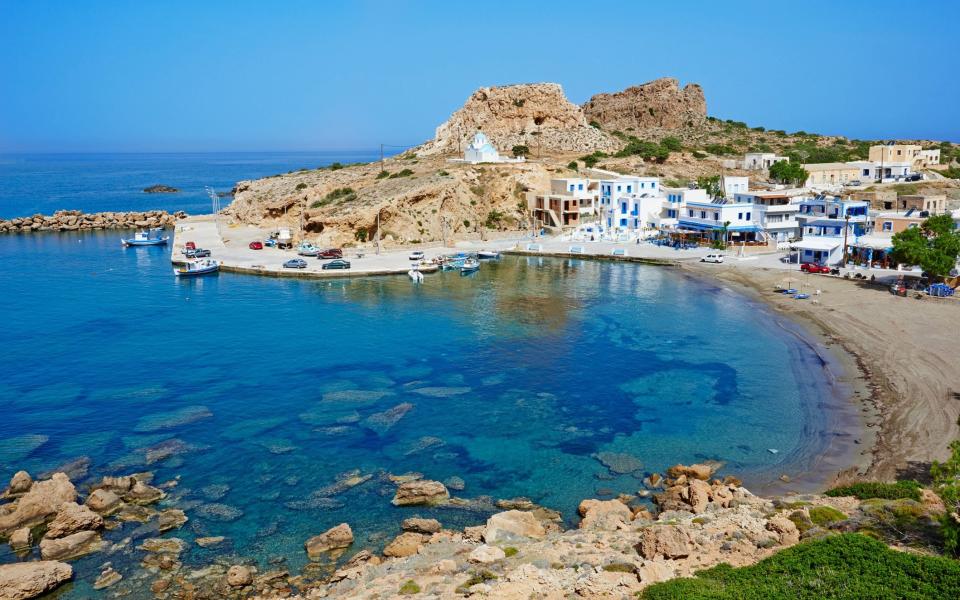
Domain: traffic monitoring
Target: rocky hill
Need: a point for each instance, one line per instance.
(537, 115)
(657, 104)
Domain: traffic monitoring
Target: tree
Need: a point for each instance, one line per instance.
(934, 246)
(712, 185)
(573, 165)
(788, 172)
(946, 482)
(521, 150)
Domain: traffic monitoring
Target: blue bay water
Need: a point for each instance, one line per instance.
(259, 394)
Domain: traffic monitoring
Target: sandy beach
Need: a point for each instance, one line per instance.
(904, 349)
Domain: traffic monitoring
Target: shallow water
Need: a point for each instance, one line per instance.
(259, 392)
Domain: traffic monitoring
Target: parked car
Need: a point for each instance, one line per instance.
(416, 255)
(914, 177)
(337, 264)
(713, 257)
(810, 267)
(270, 242)
(201, 253)
(256, 245)
(855, 182)
(190, 246)
(330, 253)
(295, 263)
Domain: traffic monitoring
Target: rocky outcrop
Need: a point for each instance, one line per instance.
(75, 220)
(20, 581)
(420, 492)
(160, 189)
(335, 538)
(103, 501)
(19, 484)
(43, 500)
(71, 546)
(407, 543)
(537, 115)
(603, 515)
(657, 104)
(511, 526)
(72, 518)
(418, 525)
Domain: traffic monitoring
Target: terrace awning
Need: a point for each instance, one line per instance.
(817, 243)
(873, 242)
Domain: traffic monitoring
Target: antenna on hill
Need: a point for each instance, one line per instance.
(215, 205)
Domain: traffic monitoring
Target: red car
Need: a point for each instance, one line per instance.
(330, 253)
(814, 268)
(256, 245)
(189, 246)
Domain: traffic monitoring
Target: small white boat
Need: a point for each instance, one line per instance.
(415, 275)
(488, 255)
(195, 268)
(471, 265)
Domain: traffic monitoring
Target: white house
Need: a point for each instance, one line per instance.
(776, 211)
(872, 171)
(758, 161)
(630, 204)
(711, 218)
(827, 224)
(734, 185)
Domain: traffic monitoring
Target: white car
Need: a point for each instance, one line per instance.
(416, 255)
(712, 258)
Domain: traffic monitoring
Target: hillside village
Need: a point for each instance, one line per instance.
(646, 162)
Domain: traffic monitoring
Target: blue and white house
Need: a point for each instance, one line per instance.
(713, 217)
(828, 223)
(630, 204)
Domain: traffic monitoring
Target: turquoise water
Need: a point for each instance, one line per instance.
(264, 388)
(257, 394)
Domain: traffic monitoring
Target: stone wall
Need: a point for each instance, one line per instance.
(74, 220)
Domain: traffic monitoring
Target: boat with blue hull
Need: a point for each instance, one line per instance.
(197, 268)
(471, 265)
(147, 237)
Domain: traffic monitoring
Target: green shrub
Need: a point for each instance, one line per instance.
(494, 217)
(825, 515)
(872, 489)
(336, 166)
(510, 551)
(672, 144)
(403, 173)
(360, 235)
(699, 155)
(466, 223)
(619, 568)
(301, 186)
(952, 172)
(519, 102)
(443, 173)
(409, 588)
(840, 567)
(720, 149)
(595, 125)
(592, 159)
(520, 150)
(946, 482)
(383, 174)
(573, 165)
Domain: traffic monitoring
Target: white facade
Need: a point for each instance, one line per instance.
(630, 204)
(481, 150)
(871, 171)
(735, 185)
(758, 161)
(776, 212)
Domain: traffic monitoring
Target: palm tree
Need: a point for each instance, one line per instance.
(725, 230)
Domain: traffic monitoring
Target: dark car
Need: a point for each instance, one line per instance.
(295, 263)
(201, 253)
(330, 253)
(814, 268)
(337, 264)
(256, 245)
(914, 177)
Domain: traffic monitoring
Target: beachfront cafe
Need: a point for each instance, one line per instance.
(872, 251)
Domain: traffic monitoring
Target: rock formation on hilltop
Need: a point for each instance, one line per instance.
(537, 115)
(657, 104)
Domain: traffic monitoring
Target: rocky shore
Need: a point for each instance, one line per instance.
(75, 220)
(679, 523)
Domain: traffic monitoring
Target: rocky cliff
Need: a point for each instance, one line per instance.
(537, 115)
(657, 104)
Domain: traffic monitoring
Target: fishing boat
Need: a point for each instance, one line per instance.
(471, 265)
(195, 268)
(452, 264)
(147, 237)
(415, 275)
(488, 255)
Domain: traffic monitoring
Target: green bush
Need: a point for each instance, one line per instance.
(825, 515)
(595, 125)
(335, 166)
(872, 489)
(720, 149)
(672, 144)
(699, 155)
(946, 482)
(840, 567)
(301, 186)
(510, 551)
(409, 588)
(383, 174)
(619, 568)
(403, 173)
(466, 223)
(952, 172)
(573, 165)
(520, 150)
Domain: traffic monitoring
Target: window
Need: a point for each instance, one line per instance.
(618, 188)
(629, 189)
(748, 216)
(703, 214)
(623, 207)
(671, 213)
(739, 216)
(571, 187)
(623, 222)
(716, 216)
(689, 212)
(888, 226)
(580, 187)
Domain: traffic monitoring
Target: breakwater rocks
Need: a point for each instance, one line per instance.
(75, 220)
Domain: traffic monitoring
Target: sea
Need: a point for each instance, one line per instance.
(254, 398)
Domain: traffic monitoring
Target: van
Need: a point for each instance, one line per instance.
(712, 258)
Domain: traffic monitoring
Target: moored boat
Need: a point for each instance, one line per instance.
(488, 255)
(471, 265)
(147, 237)
(196, 268)
(415, 275)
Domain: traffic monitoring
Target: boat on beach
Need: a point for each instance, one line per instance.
(471, 265)
(196, 268)
(147, 237)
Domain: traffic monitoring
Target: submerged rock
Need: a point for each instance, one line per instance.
(619, 463)
(356, 395)
(455, 483)
(169, 420)
(108, 576)
(209, 542)
(382, 422)
(172, 518)
(214, 491)
(335, 538)
(420, 492)
(441, 392)
(15, 449)
(71, 546)
(21, 581)
(219, 512)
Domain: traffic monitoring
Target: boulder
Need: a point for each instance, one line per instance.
(606, 515)
(405, 544)
(21, 539)
(485, 554)
(103, 501)
(511, 526)
(20, 581)
(699, 495)
(420, 492)
(209, 542)
(666, 541)
(239, 576)
(335, 538)
(72, 518)
(696, 471)
(141, 493)
(417, 525)
(786, 530)
(108, 576)
(43, 499)
(71, 546)
(172, 518)
(20, 483)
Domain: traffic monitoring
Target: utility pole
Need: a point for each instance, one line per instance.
(846, 229)
(382, 169)
(378, 231)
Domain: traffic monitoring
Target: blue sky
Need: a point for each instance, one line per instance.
(241, 75)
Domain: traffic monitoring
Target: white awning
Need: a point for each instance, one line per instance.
(817, 243)
(876, 242)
